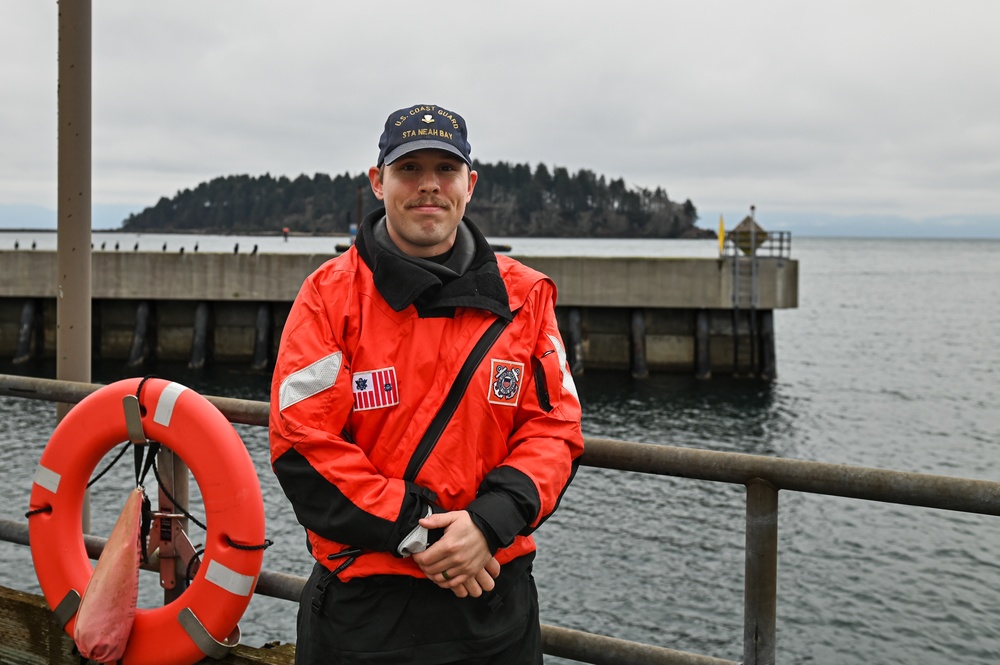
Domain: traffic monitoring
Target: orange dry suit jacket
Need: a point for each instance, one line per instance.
(357, 381)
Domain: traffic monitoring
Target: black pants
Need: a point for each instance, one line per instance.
(402, 620)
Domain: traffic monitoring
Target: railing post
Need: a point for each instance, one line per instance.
(760, 603)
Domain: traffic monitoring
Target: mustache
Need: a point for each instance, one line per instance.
(427, 201)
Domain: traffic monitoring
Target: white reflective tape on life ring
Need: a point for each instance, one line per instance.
(47, 478)
(229, 579)
(165, 407)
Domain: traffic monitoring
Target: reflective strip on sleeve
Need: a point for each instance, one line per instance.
(227, 578)
(567, 379)
(165, 407)
(310, 380)
(47, 478)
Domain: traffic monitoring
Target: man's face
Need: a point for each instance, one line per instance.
(425, 193)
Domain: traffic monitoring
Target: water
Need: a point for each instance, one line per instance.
(890, 361)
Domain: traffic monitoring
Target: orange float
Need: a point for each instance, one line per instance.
(203, 619)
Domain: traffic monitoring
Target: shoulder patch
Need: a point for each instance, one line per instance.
(505, 381)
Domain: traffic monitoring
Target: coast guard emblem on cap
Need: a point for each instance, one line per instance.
(375, 389)
(428, 118)
(506, 382)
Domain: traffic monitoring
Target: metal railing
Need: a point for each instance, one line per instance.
(773, 244)
(763, 477)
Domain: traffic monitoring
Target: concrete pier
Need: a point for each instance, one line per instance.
(630, 314)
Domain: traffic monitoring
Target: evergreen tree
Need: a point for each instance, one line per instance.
(510, 200)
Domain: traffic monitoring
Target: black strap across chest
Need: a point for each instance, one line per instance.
(455, 394)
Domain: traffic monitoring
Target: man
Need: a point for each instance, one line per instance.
(423, 422)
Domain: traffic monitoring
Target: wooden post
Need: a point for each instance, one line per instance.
(73, 273)
(74, 180)
(760, 602)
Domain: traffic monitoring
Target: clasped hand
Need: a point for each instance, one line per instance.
(461, 559)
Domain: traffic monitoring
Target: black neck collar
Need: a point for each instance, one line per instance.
(435, 290)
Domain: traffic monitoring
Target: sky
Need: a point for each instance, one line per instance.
(831, 118)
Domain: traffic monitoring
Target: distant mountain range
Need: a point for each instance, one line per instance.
(23, 216)
(817, 224)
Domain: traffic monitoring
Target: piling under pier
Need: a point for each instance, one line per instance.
(631, 314)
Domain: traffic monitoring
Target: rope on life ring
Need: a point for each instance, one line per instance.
(202, 620)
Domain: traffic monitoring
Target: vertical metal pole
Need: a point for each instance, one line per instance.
(760, 604)
(73, 317)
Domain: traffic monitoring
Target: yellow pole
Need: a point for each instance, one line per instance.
(722, 236)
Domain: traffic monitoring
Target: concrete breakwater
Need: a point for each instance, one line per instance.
(685, 315)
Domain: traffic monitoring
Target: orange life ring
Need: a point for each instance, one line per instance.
(194, 429)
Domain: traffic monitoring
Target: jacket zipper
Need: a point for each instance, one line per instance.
(455, 394)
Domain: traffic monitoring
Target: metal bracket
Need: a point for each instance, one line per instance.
(168, 550)
(133, 420)
(209, 646)
(66, 608)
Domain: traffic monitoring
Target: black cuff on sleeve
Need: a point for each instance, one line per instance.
(491, 537)
(414, 509)
(497, 517)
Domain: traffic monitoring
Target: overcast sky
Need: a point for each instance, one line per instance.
(840, 108)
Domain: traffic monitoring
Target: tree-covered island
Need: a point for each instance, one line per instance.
(511, 200)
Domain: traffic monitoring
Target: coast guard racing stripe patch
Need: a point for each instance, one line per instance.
(375, 389)
(505, 384)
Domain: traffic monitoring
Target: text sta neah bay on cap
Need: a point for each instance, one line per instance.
(416, 110)
(412, 133)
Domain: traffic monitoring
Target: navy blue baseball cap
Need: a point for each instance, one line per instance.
(423, 127)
